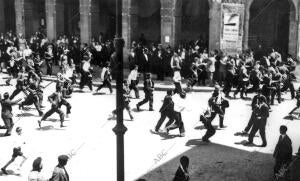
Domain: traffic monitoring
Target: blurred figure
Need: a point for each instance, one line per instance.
(60, 173)
(182, 173)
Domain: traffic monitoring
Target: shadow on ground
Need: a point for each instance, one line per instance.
(215, 162)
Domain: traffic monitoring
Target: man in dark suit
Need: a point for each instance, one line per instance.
(6, 112)
(283, 150)
(148, 89)
(166, 109)
(255, 108)
(182, 171)
(260, 123)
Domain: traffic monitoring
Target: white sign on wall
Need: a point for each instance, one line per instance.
(232, 28)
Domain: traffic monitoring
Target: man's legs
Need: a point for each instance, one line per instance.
(61, 116)
(8, 125)
(160, 121)
(250, 123)
(262, 132)
(3, 169)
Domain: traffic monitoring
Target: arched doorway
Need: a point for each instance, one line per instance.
(195, 22)
(35, 17)
(7, 16)
(103, 19)
(270, 25)
(71, 18)
(148, 21)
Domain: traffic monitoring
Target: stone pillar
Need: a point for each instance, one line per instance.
(246, 24)
(20, 16)
(2, 16)
(214, 24)
(85, 21)
(54, 18)
(293, 37)
(170, 22)
(129, 21)
(95, 14)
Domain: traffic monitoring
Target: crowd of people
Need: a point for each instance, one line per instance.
(268, 75)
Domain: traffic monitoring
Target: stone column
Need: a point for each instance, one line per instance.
(214, 24)
(95, 20)
(20, 16)
(246, 24)
(293, 37)
(85, 21)
(2, 16)
(54, 18)
(170, 22)
(129, 21)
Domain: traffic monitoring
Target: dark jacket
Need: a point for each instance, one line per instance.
(168, 105)
(283, 149)
(148, 86)
(264, 111)
(7, 108)
(181, 175)
(59, 174)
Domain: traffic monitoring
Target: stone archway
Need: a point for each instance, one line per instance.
(271, 25)
(195, 21)
(103, 19)
(7, 16)
(148, 21)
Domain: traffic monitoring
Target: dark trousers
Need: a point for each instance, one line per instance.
(279, 163)
(49, 65)
(250, 122)
(210, 130)
(241, 88)
(148, 98)
(221, 111)
(32, 99)
(106, 83)
(67, 104)
(8, 122)
(162, 118)
(178, 88)
(85, 80)
(254, 88)
(16, 92)
(227, 87)
(133, 86)
(178, 122)
(289, 85)
(53, 110)
(276, 92)
(259, 125)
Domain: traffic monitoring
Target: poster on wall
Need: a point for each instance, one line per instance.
(232, 28)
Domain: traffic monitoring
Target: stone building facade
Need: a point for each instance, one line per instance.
(270, 23)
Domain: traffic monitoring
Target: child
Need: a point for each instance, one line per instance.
(126, 95)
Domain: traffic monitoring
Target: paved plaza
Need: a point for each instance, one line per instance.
(90, 140)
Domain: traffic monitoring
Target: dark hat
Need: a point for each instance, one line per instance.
(6, 95)
(148, 75)
(18, 129)
(182, 94)
(63, 159)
